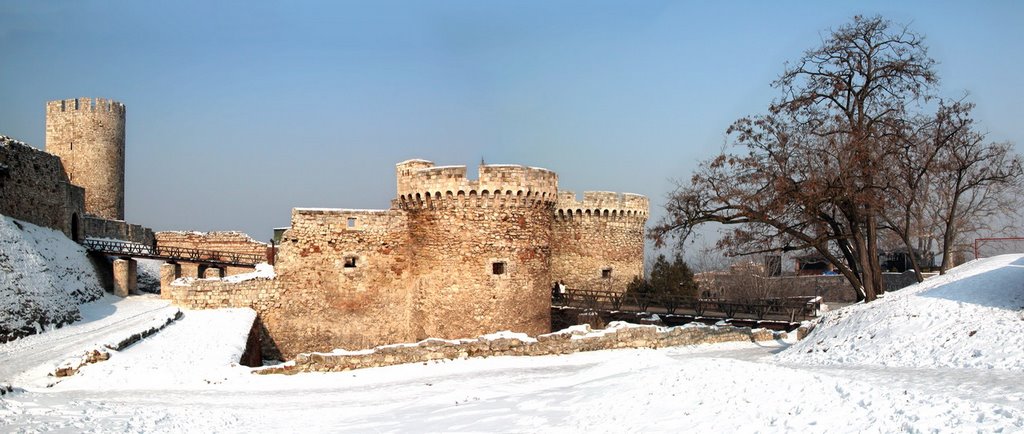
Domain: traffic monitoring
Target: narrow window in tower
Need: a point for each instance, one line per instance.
(606, 273)
(350, 262)
(72, 146)
(497, 268)
(351, 222)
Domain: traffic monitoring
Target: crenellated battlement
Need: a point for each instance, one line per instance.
(421, 184)
(601, 204)
(85, 105)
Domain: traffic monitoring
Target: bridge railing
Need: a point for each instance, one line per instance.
(126, 248)
(790, 308)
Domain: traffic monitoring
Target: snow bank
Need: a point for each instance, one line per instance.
(667, 390)
(44, 276)
(263, 271)
(202, 347)
(108, 323)
(972, 317)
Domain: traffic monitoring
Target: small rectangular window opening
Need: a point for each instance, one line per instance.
(350, 262)
(351, 222)
(497, 268)
(606, 273)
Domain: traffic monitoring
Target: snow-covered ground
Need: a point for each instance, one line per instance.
(185, 379)
(972, 317)
(44, 276)
(29, 361)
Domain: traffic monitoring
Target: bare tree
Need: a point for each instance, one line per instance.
(978, 183)
(918, 152)
(809, 177)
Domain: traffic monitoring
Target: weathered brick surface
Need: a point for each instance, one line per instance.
(257, 294)
(88, 136)
(571, 340)
(602, 235)
(35, 188)
(96, 227)
(224, 241)
(323, 302)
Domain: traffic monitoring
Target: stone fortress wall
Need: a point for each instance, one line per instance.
(345, 279)
(597, 241)
(452, 258)
(96, 227)
(35, 188)
(89, 137)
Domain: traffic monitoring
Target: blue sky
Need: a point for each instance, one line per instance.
(240, 111)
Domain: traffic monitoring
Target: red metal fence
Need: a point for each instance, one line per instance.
(985, 247)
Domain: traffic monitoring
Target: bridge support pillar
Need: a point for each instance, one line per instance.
(189, 270)
(133, 277)
(213, 273)
(125, 277)
(168, 272)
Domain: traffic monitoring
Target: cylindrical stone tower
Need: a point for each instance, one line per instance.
(481, 248)
(88, 136)
(598, 243)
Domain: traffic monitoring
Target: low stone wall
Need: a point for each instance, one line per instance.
(96, 227)
(831, 288)
(257, 294)
(897, 281)
(571, 340)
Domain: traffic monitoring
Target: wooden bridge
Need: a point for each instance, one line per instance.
(174, 254)
(791, 309)
(202, 263)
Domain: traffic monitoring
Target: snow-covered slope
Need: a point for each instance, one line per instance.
(106, 323)
(44, 276)
(972, 317)
(202, 347)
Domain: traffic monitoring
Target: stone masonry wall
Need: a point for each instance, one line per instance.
(88, 135)
(598, 243)
(96, 227)
(456, 246)
(257, 294)
(34, 188)
(831, 288)
(345, 281)
(571, 340)
(481, 247)
(225, 241)
(420, 180)
(452, 258)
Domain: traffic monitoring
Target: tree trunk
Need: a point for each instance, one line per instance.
(872, 253)
(861, 247)
(949, 235)
(914, 262)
